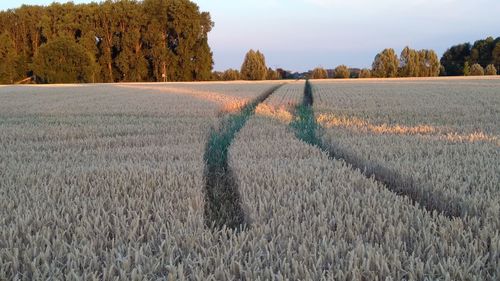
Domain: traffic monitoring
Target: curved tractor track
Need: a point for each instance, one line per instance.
(222, 198)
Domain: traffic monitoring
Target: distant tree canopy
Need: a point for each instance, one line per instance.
(365, 73)
(385, 64)
(483, 52)
(319, 73)
(466, 69)
(64, 61)
(125, 40)
(423, 63)
(342, 72)
(254, 66)
(476, 70)
(490, 70)
(9, 67)
(231, 74)
(273, 74)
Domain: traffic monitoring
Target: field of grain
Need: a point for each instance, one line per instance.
(114, 182)
(324, 221)
(106, 181)
(442, 135)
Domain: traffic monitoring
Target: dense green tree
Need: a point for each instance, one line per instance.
(319, 73)
(429, 65)
(217, 76)
(63, 61)
(490, 70)
(422, 63)
(178, 32)
(432, 63)
(128, 40)
(342, 72)
(453, 60)
(272, 74)
(231, 74)
(466, 69)
(385, 64)
(482, 51)
(254, 66)
(8, 54)
(365, 73)
(495, 56)
(476, 70)
(409, 63)
(202, 61)
(442, 71)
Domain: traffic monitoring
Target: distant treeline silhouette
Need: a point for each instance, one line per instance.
(459, 59)
(114, 41)
(481, 58)
(166, 40)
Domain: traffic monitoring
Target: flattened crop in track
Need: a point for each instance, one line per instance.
(222, 199)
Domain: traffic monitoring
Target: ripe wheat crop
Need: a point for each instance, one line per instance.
(441, 135)
(314, 218)
(106, 182)
(99, 182)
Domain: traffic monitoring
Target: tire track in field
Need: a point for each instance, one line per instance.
(307, 129)
(222, 198)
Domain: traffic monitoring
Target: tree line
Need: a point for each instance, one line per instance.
(469, 59)
(111, 41)
(253, 68)
(167, 40)
(481, 58)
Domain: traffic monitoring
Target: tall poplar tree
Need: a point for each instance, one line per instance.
(385, 64)
(126, 40)
(254, 66)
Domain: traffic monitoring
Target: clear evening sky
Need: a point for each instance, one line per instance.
(302, 34)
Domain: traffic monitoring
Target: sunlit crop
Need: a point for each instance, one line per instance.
(104, 182)
(109, 182)
(441, 134)
(318, 219)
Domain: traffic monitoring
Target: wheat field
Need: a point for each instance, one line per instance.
(108, 182)
(104, 182)
(444, 135)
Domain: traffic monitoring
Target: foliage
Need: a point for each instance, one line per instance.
(129, 40)
(483, 52)
(466, 69)
(217, 76)
(496, 55)
(272, 74)
(254, 66)
(365, 73)
(342, 71)
(319, 73)
(8, 73)
(423, 63)
(385, 64)
(490, 70)
(63, 61)
(231, 74)
(476, 70)
(454, 59)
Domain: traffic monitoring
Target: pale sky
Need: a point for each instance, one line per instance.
(302, 34)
